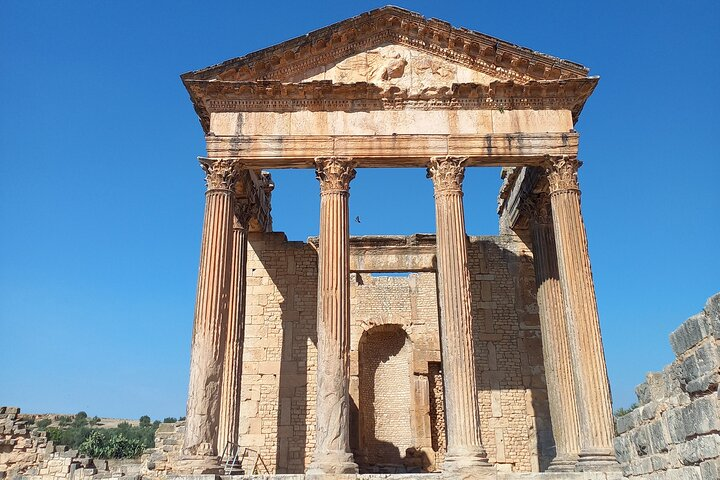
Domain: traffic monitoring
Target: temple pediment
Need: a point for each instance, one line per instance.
(390, 58)
(391, 42)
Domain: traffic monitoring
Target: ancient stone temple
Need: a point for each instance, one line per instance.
(484, 358)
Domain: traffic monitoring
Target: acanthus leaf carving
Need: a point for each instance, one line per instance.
(447, 174)
(220, 174)
(562, 174)
(334, 174)
(537, 208)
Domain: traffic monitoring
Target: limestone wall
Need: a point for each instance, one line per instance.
(674, 434)
(278, 383)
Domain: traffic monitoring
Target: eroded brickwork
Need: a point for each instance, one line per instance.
(278, 385)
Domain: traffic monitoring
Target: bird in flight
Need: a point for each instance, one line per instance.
(357, 219)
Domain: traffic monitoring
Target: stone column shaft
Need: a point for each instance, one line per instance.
(232, 370)
(332, 449)
(556, 351)
(209, 331)
(578, 291)
(466, 457)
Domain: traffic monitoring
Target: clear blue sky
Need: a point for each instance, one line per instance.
(101, 196)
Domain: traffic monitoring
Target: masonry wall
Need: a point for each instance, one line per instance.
(278, 384)
(674, 434)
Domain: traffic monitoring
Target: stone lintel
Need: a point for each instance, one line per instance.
(390, 253)
(392, 151)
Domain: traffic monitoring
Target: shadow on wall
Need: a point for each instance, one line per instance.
(508, 356)
(384, 426)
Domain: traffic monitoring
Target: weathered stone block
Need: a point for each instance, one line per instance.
(712, 312)
(698, 449)
(622, 449)
(657, 386)
(701, 370)
(690, 333)
(627, 422)
(710, 470)
(658, 436)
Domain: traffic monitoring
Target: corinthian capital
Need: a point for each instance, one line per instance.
(244, 211)
(447, 174)
(537, 208)
(334, 173)
(220, 174)
(562, 173)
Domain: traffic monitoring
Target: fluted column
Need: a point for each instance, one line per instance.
(466, 457)
(209, 331)
(332, 437)
(586, 350)
(556, 351)
(232, 370)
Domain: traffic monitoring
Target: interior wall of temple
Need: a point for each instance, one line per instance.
(396, 372)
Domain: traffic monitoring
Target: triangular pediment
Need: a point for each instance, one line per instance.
(390, 46)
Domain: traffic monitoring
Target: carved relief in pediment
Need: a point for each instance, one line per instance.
(396, 66)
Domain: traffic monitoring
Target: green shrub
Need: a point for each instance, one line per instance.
(101, 445)
(43, 423)
(170, 420)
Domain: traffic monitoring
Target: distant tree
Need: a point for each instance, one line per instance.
(181, 419)
(80, 420)
(145, 421)
(156, 424)
(124, 427)
(81, 414)
(43, 423)
(170, 420)
(624, 411)
(63, 420)
(94, 420)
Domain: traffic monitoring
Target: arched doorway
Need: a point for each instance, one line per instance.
(385, 399)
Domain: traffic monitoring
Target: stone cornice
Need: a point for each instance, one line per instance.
(270, 96)
(390, 24)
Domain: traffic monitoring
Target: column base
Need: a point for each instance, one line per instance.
(599, 460)
(467, 465)
(564, 463)
(333, 463)
(198, 465)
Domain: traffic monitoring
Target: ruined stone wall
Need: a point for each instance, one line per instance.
(674, 433)
(27, 454)
(278, 384)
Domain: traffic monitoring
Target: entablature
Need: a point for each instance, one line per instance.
(389, 151)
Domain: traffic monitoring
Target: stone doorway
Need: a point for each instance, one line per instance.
(385, 400)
